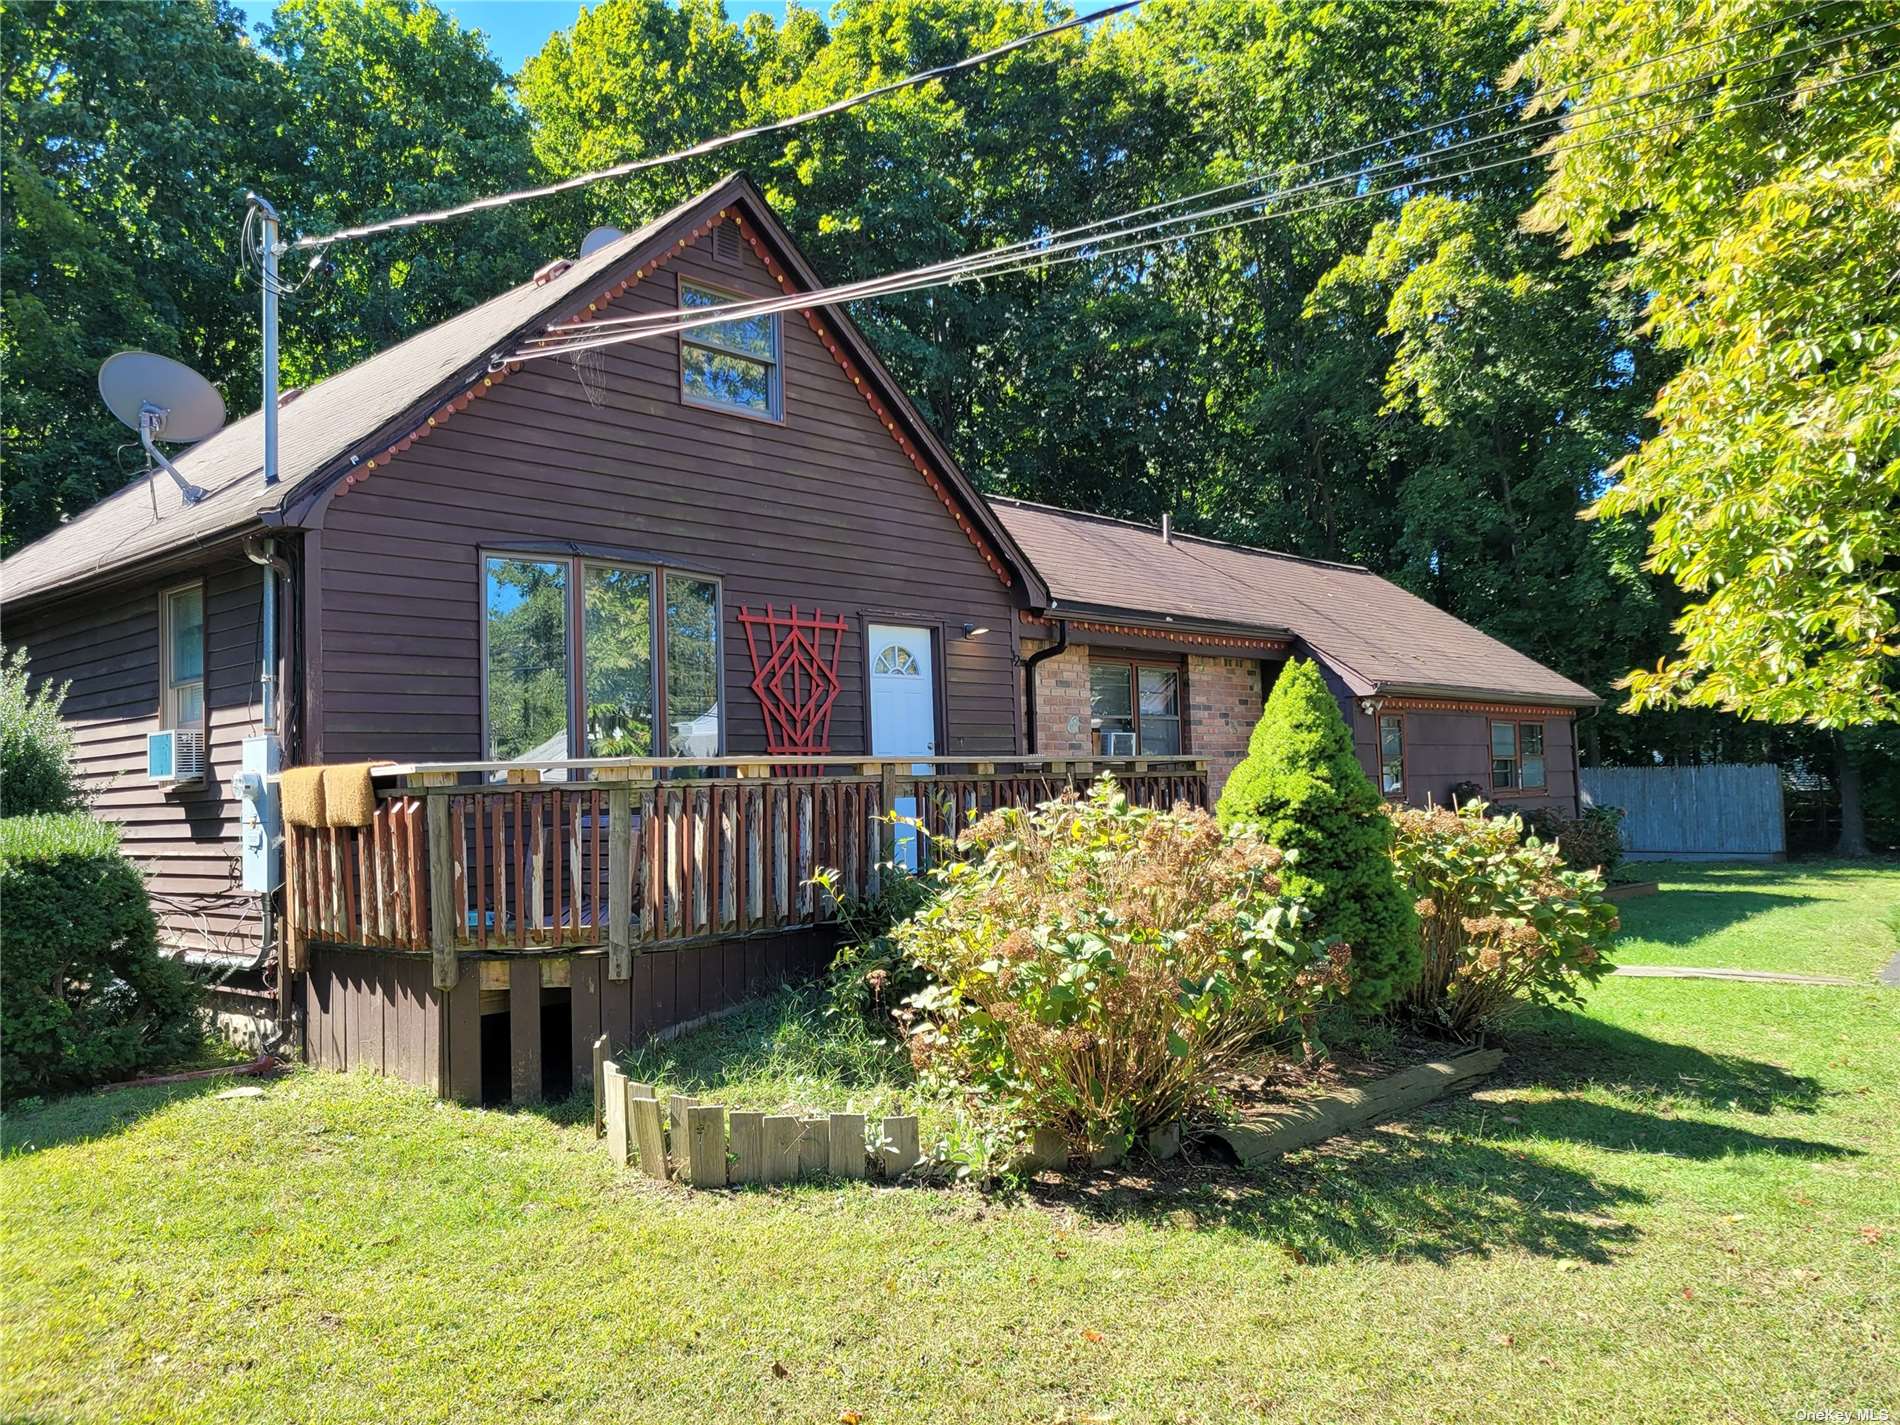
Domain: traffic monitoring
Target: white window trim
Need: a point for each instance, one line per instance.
(775, 382)
(167, 714)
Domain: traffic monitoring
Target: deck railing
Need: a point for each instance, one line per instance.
(620, 853)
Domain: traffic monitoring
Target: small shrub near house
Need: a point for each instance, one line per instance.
(1590, 842)
(872, 975)
(36, 750)
(1302, 789)
(85, 995)
(1097, 966)
(1502, 920)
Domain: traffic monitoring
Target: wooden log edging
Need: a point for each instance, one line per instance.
(1302, 1125)
(707, 1145)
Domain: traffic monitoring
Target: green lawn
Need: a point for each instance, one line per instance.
(1681, 1204)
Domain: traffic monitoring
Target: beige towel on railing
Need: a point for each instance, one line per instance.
(349, 795)
(300, 793)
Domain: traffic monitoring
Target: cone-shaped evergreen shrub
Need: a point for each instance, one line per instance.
(1305, 791)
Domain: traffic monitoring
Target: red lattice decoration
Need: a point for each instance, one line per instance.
(796, 679)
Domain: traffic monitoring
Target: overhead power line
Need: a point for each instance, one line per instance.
(1069, 238)
(713, 145)
(926, 278)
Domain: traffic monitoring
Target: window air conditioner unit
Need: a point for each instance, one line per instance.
(176, 757)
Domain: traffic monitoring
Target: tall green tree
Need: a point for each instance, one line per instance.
(1762, 225)
(391, 108)
(132, 131)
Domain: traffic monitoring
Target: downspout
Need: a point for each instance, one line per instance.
(1061, 645)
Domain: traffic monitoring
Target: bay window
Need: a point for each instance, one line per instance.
(583, 658)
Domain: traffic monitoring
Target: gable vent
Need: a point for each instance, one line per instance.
(726, 242)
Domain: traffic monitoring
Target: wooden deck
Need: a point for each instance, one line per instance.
(640, 894)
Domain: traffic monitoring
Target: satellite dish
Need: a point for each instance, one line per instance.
(158, 396)
(598, 239)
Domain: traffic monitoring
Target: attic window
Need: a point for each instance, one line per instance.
(733, 365)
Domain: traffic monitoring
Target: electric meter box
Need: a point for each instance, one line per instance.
(259, 829)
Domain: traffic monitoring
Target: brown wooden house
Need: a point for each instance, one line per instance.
(648, 634)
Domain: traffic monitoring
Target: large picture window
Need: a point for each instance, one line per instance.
(735, 364)
(1135, 708)
(641, 678)
(1517, 756)
(182, 654)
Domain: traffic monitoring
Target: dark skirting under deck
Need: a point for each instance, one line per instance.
(379, 1010)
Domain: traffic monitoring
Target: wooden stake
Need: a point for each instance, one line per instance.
(748, 1148)
(706, 1145)
(846, 1142)
(901, 1152)
(782, 1134)
(617, 1145)
(647, 1132)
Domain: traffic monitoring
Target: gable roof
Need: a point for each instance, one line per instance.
(1376, 636)
(322, 429)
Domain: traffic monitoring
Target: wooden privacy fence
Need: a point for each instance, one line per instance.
(1723, 810)
(646, 852)
(708, 1145)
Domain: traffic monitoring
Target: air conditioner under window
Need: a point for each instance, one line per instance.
(176, 757)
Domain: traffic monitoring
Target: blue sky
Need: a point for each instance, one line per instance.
(516, 29)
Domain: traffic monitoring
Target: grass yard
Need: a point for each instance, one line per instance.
(1680, 1204)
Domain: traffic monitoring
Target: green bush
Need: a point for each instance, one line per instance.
(872, 975)
(1501, 919)
(85, 995)
(1591, 842)
(1097, 966)
(1302, 788)
(36, 750)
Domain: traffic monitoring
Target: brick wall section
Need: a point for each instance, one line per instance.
(1224, 701)
(1062, 696)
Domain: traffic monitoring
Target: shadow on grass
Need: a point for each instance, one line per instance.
(1682, 915)
(1567, 1051)
(88, 1117)
(1431, 1194)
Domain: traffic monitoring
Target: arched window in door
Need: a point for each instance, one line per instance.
(897, 661)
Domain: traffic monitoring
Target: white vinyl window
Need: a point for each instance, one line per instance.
(182, 657)
(730, 365)
(1392, 755)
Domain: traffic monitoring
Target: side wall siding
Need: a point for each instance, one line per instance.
(1445, 747)
(821, 511)
(106, 644)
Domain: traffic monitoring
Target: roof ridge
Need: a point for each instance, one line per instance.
(1178, 534)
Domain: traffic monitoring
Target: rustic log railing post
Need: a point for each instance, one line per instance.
(619, 872)
(444, 933)
(887, 808)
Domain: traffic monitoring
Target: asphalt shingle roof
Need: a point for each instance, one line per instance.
(1376, 635)
(316, 427)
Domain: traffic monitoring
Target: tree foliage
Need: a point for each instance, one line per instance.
(1302, 788)
(1762, 226)
(1414, 381)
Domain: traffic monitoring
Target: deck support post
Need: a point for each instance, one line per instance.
(887, 829)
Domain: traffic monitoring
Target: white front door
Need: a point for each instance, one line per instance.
(903, 710)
